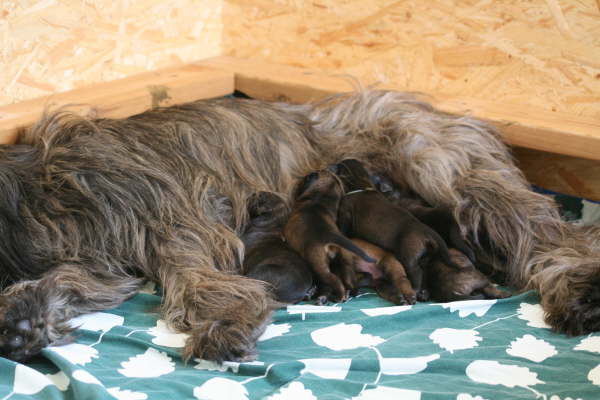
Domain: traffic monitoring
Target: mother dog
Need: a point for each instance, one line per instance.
(89, 209)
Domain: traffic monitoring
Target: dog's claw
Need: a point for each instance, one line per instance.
(24, 325)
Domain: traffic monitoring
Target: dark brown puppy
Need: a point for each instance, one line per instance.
(312, 229)
(467, 283)
(367, 214)
(439, 219)
(386, 274)
(268, 258)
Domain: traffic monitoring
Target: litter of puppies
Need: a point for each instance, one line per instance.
(354, 229)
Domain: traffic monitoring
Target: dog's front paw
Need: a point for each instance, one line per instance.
(25, 329)
(578, 315)
(572, 303)
(222, 341)
(21, 336)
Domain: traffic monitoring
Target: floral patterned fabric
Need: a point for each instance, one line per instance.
(365, 348)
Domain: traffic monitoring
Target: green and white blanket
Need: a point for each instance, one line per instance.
(365, 348)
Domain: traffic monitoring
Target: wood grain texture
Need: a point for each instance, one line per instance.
(559, 173)
(520, 125)
(541, 53)
(123, 97)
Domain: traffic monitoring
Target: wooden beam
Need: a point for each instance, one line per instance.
(559, 173)
(520, 124)
(123, 97)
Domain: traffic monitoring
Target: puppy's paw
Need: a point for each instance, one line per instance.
(423, 295)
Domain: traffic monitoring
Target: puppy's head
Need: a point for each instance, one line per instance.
(266, 209)
(354, 175)
(459, 258)
(322, 182)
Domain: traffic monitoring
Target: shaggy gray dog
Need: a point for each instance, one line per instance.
(91, 208)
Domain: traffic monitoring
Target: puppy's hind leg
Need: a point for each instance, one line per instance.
(403, 291)
(35, 313)
(223, 313)
(319, 260)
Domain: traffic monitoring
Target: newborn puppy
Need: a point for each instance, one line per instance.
(312, 227)
(365, 213)
(466, 283)
(386, 274)
(439, 219)
(268, 258)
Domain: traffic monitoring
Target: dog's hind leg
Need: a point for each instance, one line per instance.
(36, 313)
(223, 313)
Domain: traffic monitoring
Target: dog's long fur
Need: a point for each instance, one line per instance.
(88, 208)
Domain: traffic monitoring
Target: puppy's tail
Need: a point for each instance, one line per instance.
(461, 244)
(442, 251)
(344, 242)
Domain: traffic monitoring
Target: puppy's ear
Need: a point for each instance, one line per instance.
(305, 183)
(382, 184)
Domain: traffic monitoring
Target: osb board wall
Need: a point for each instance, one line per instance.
(49, 46)
(543, 53)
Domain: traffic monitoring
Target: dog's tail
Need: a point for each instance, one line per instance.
(344, 242)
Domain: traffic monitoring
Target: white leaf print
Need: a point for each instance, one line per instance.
(98, 321)
(165, 336)
(533, 314)
(392, 310)
(405, 366)
(467, 396)
(327, 368)
(344, 337)
(591, 344)
(555, 397)
(274, 330)
(221, 388)
(594, 375)
(533, 349)
(119, 394)
(494, 373)
(311, 309)
(85, 377)
(385, 392)
(28, 381)
(75, 353)
(294, 391)
(60, 380)
(455, 339)
(468, 307)
(151, 364)
(213, 366)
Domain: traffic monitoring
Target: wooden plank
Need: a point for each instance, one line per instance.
(123, 97)
(520, 124)
(559, 173)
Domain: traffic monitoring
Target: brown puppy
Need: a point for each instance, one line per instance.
(367, 214)
(386, 274)
(439, 219)
(312, 229)
(467, 283)
(268, 258)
